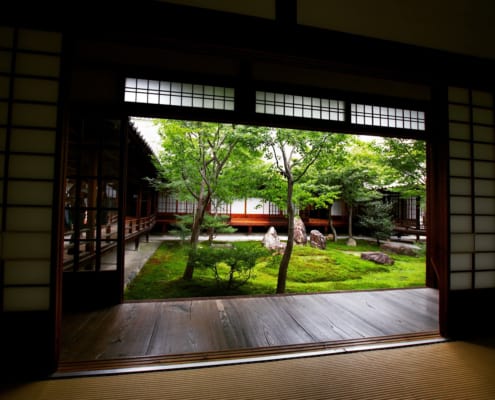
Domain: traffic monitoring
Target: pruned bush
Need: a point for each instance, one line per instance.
(232, 266)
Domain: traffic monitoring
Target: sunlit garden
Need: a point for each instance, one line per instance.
(311, 270)
(212, 164)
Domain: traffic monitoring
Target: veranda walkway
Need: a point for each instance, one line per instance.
(198, 329)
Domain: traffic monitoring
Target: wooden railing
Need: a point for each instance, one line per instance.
(407, 227)
(134, 228)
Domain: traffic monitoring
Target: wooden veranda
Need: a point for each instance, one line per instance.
(137, 333)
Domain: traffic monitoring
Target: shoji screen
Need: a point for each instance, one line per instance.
(472, 189)
(29, 86)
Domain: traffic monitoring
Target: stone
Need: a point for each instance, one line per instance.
(400, 248)
(271, 240)
(351, 242)
(317, 239)
(300, 235)
(377, 257)
(281, 248)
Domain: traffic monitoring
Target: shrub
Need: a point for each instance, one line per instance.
(183, 224)
(232, 266)
(377, 220)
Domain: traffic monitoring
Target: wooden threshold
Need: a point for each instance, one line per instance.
(239, 355)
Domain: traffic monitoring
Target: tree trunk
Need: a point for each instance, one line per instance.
(284, 262)
(330, 220)
(211, 230)
(195, 231)
(350, 222)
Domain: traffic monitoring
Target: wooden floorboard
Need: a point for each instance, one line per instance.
(151, 329)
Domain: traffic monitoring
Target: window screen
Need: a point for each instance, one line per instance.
(290, 105)
(389, 117)
(179, 94)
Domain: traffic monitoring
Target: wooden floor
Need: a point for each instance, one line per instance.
(205, 326)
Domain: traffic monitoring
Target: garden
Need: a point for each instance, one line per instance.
(311, 270)
(212, 164)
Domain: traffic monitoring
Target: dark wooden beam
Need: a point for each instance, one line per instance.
(286, 11)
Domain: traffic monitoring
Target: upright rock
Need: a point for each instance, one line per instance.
(300, 235)
(317, 239)
(351, 242)
(271, 240)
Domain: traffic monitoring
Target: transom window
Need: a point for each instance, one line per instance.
(389, 117)
(179, 94)
(290, 105)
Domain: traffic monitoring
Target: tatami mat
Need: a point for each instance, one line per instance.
(448, 370)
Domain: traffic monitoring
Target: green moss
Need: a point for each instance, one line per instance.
(311, 270)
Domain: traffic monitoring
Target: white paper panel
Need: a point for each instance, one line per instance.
(461, 261)
(3, 136)
(6, 36)
(40, 41)
(482, 116)
(484, 206)
(29, 219)
(4, 87)
(458, 95)
(484, 133)
(5, 61)
(461, 243)
(484, 169)
(460, 168)
(459, 131)
(484, 188)
(484, 152)
(482, 98)
(26, 245)
(485, 224)
(35, 89)
(27, 272)
(485, 261)
(460, 205)
(30, 193)
(460, 281)
(36, 141)
(459, 113)
(38, 65)
(3, 113)
(34, 167)
(26, 299)
(485, 242)
(484, 280)
(459, 149)
(460, 186)
(35, 115)
(460, 224)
